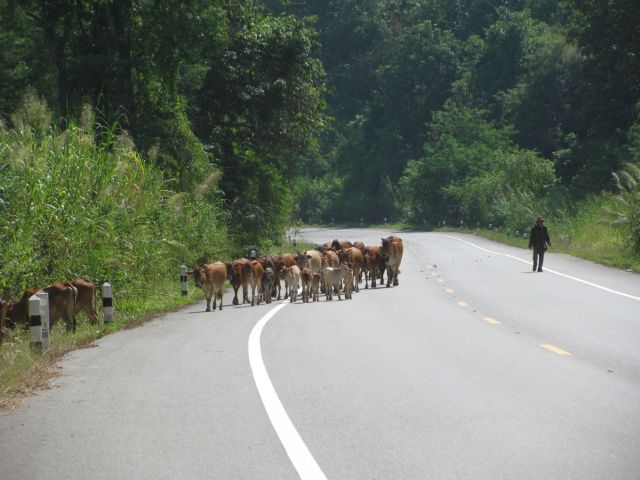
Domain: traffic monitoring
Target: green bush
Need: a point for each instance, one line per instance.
(83, 202)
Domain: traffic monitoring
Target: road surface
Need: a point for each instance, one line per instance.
(474, 367)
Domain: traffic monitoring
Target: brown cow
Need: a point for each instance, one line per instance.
(338, 245)
(348, 281)
(211, 278)
(288, 261)
(372, 259)
(306, 276)
(355, 258)
(292, 275)
(62, 305)
(277, 265)
(268, 284)
(392, 250)
(257, 271)
(315, 287)
(86, 299)
(240, 276)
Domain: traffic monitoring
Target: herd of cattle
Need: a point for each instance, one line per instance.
(332, 268)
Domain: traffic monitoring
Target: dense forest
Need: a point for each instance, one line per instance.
(139, 130)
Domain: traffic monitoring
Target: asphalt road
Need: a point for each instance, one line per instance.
(474, 367)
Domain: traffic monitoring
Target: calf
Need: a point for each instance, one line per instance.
(292, 274)
(348, 281)
(86, 299)
(306, 277)
(268, 284)
(288, 261)
(392, 250)
(332, 277)
(315, 287)
(372, 259)
(257, 271)
(354, 257)
(211, 278)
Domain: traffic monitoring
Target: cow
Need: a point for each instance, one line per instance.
(332, 259)
(288, 261)
(268, 284)
(354, 257)
(372, 258)
(349, 276)
(211, 278)
(292, 274)
(257, 271)
(86, 300)
(337, 245)
(62, 305)
(332, 277)
(4, 306)
(239, 274)
(277, 265)
(392, 254)
(315, 287)
(312, 260)
(306, 276)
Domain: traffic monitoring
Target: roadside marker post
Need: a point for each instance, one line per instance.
(44, 318)
(35, 324)
(184, 283)
(107, 302)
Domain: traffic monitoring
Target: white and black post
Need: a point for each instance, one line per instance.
(44, 317)
(184, 283)
(35, 324)
(107, 302)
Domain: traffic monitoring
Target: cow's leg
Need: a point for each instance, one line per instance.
(235, 295)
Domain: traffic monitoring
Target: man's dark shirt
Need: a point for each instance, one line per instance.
(539, 238)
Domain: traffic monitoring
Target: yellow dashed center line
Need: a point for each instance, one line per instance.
(448, 290)
(463, 304)
(554, 349)
(440, 280)
(490, 320)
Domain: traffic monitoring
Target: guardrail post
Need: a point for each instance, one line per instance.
(44, 317)
(35, 324)
(184, 283)
(107, 302)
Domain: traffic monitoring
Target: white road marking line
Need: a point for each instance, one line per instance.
(554, 349)
(491, 320)
(299, 454)
(591, 284)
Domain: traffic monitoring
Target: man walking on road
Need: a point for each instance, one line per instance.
(539, 240)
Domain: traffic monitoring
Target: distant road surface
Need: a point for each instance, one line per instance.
(474, 367)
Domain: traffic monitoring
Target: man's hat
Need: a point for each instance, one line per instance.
(539, 219)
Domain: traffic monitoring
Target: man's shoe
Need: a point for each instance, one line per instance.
(534, 269)
(539, 269)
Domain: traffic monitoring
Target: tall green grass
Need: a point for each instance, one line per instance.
(84, 203)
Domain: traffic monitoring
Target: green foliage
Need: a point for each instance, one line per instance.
(82, 202)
